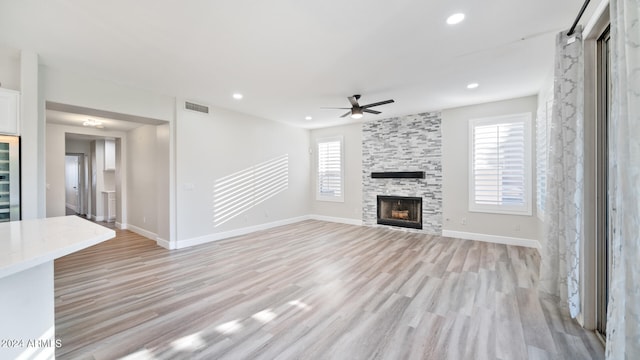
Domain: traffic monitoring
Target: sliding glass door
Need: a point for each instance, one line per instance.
(603, 259)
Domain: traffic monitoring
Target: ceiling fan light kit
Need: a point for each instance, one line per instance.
(356, 111)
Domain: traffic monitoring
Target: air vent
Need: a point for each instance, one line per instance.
(196, 107)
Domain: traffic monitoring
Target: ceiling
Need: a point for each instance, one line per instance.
(290, 58)
(71, 119)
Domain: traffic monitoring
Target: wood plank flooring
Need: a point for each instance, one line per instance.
(311, 290)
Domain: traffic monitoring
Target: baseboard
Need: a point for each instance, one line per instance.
(336, 219)
(496, 239)
(237, 232)
(140, 231)
(72, 207)
(148, 234)
(97, 218)
(164, 243)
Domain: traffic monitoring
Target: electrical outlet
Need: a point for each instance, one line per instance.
(144, 219)
(464, 221)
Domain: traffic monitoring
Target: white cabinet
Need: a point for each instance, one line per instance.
(109, 206)
(109, 155)
(9, 111)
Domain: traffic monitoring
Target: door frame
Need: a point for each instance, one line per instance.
(82, 196)
(589, 316)
(603, 229)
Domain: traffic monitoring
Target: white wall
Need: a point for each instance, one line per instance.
(455, 165)
(55, 171)
(351, 208)
(32, 132)
(80, 90)
(74, 146)
(163, 183)
(215, 146)
(9, 68)
(142, 178)
(96, 169)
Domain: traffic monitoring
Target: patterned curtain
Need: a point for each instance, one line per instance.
(623, 313)
(559, 272)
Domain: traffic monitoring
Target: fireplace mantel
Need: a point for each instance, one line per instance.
(398, 175)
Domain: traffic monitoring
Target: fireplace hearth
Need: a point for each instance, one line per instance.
(403, 211)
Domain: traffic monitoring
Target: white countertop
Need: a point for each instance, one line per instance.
(28, 243)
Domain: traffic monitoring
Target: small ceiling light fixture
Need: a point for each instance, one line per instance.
(237, 96)
(93, 123)
(455, 18)
(472, 86)
(356, 113)
(308, 118)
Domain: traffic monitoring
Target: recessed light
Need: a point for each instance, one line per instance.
(308, 118)
(237, 96)
(455, 18)
(472, 86)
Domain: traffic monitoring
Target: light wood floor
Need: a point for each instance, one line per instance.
(110, 225)
(312, 290)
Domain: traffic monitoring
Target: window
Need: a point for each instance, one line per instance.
(500, 164)
(330, 170)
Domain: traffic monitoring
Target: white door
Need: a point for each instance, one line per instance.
(71, 182)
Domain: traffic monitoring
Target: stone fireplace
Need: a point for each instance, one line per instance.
(402, 157)
(403, 211)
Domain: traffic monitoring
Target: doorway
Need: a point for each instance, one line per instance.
(141, 163)
(92, 175)
(75, 189)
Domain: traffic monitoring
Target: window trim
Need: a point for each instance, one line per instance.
(527, 208)
(319, 196)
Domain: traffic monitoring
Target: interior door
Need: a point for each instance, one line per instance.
(71, 183)
(82, 191)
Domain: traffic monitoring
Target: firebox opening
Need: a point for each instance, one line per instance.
(400, 211)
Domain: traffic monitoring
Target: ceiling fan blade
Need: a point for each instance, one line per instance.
(371, 111)
(347, 114)
(354, 100)
(377, 104)
(341, 108)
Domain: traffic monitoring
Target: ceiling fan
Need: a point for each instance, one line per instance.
(356, 110)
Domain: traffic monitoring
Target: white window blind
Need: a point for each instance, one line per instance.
(330, 170)
(500, 164)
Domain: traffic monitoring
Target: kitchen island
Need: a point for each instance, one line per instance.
(27, 251)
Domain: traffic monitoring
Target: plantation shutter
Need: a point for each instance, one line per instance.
(330, 169)
(500, 165)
